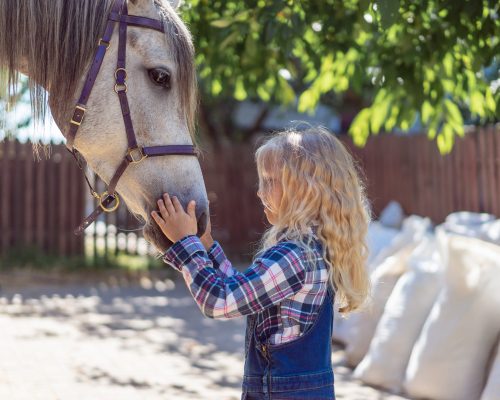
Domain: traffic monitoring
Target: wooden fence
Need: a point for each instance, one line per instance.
(410, 170)
(42, 201)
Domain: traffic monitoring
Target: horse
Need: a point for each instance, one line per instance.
(53, 42)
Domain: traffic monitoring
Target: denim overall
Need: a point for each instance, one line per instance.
(299, 369)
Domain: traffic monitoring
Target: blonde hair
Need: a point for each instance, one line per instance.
(321, 185)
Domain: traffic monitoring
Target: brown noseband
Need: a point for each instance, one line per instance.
(135, 153)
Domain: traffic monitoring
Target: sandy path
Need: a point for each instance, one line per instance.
(100, 342)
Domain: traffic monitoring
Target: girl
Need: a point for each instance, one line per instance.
(313, 252)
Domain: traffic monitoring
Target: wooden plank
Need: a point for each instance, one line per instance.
(482, 170)
(29, 195)
(496, 168)
(5, 182)
(467, 167)
(16, 195)
(447, 187)
(80, 211)
(40, 203)
(490, 161)
(458, 175)
(63, 189)
(470, 160)
(71, 220)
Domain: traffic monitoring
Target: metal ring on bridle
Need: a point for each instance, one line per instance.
(123, 87)
(121, 69)
(103, 197)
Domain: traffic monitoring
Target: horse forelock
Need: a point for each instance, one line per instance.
(181, 43)
(53, 41)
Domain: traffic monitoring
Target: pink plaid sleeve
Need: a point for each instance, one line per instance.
(275, 275)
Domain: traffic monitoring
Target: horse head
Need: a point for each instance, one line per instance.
(160, 87)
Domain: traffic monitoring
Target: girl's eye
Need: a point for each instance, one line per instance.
(160, 77)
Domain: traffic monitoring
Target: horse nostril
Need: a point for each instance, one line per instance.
(202, 223)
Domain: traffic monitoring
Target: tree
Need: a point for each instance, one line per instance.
(8, 128)
(405, 57)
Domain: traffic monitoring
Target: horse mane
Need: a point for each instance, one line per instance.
(53, 41)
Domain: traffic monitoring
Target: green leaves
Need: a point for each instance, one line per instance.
(402, 59)
(388, 12)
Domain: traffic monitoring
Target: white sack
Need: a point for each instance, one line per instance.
(492, 389)
(479, 225)
(392, 215)
(404, 315)
(449, 359)
(361, 325)
(357, 330)
(412, 232)
(378, 238)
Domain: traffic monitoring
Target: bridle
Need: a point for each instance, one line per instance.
(135, 153)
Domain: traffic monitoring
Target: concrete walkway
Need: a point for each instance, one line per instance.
(144, 341)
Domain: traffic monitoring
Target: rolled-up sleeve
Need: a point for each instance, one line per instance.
(275, 275)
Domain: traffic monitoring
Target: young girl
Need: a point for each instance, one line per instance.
(313, 252)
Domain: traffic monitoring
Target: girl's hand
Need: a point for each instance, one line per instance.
(206, 239)
(174, 222)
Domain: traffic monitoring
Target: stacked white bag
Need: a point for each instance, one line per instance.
(492, 389)
(449, 359)
(479, 225)
(386, 268)
(381, 234)
(433, 330)
(404, 315)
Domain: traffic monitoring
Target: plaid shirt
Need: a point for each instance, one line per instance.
(279, 286)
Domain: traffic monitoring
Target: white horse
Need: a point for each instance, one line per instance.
(54, 41)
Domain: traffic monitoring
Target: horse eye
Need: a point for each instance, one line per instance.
(160, 77)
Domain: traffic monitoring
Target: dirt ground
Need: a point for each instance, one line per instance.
(118, 337)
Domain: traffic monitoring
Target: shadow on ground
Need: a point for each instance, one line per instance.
(138, 341)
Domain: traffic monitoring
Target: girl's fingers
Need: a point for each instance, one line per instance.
(177, 204)
(163, 209)
(168, 203)
(159, 220)
(191, 208)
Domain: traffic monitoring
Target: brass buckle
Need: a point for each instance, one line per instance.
(103, 197)
(132, 152)
(104, 43)
(122, 86)
(75, 115)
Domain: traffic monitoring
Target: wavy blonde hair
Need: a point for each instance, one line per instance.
(321, 185)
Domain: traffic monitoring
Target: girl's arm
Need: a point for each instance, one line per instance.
(219, 260)
(274, 276)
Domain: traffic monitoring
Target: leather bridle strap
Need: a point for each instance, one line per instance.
(103, 46)
(134, 20)
(134, 154)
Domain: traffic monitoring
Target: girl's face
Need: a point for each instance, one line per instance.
(270, 193)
